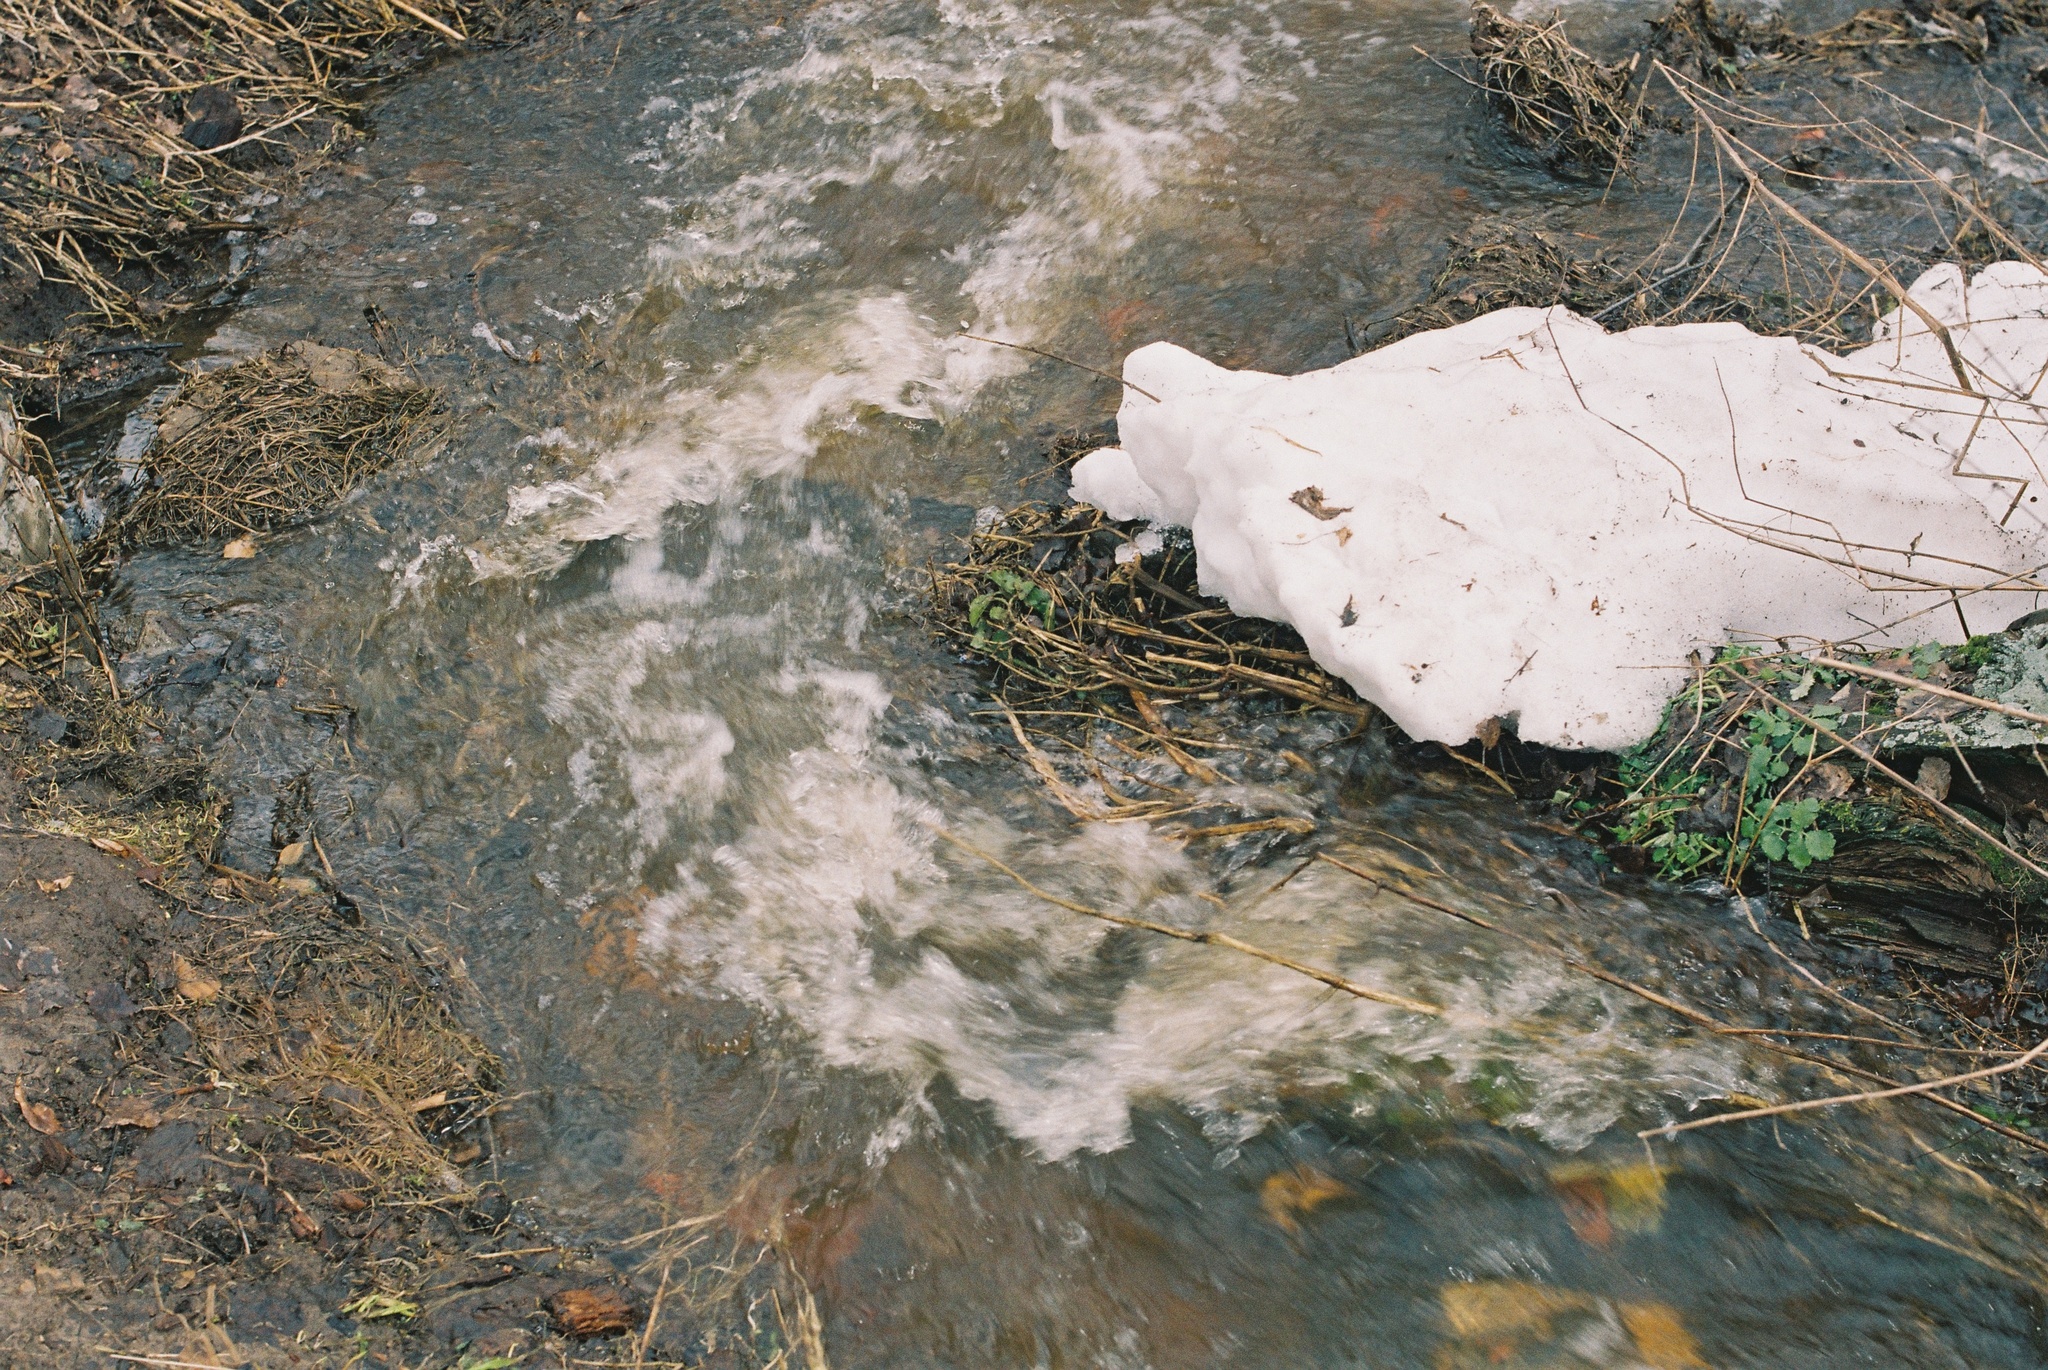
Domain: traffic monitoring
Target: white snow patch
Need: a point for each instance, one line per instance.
(1525, 517)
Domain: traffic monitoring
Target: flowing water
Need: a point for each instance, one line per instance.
(647, 721)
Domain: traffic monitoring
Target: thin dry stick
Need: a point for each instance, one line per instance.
(1906, 681)
(1802, 1105)
(653, 1316)
(1778, 202)
(1844, 1000)
(1219, 939)
(1979, 1257)
(1066, 361)
(1689, 1014)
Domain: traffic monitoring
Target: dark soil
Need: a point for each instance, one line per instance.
(150, 1208)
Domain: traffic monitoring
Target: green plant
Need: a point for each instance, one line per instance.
(1691, 809)
(991, 613)
(371, 1307)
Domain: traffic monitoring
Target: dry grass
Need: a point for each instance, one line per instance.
(270, 442)
(345, 1031)
(1576, 111)
(106, 159)
(1041, 595)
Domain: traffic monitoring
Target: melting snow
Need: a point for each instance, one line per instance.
(1528, 518)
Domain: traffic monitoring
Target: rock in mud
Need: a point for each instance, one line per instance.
(213, 118)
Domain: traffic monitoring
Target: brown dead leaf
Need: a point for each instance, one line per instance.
(590, 1313)
(114, 846)
(290, 855)
(192, 983)
(1661, 1339)
(1585, 1208)
(1488, 733)
(1292, 1194)
(57, 886)
(131, 1112)
(1599, 1201)
(241, 549)
(41, 1117)
(1310, 501)
(438, 1099)
(60, 151)
(298, 884)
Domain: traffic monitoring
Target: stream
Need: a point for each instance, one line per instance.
(648, 728)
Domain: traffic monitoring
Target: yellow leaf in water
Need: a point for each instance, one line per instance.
(1661, 1339)
(57, 886)
(193, 985)
(241, 549)
(290, 855)
(1635, 1196)
(1289, 1195)
(1493, 1308)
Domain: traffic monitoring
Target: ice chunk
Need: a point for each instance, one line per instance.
(1528, 518)
(1106, 479)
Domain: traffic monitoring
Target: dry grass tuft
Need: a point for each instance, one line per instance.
(350, 1037)
(132, 129)
(1572, 108)
(1041, 595)
(270, 442)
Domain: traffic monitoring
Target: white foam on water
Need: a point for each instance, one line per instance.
(811, 880)
(1120, 100)
(841, 908)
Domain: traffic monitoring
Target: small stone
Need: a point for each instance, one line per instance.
(213, 118)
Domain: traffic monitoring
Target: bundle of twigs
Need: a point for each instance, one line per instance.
(128, 127)
(270, 442)
(1042, 595)
(1577, 110)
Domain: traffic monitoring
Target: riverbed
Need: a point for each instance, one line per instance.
(647, 726)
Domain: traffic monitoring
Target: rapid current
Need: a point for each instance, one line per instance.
(649, 727)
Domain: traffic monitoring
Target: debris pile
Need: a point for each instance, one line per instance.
(268, 443)
(1578, 112)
